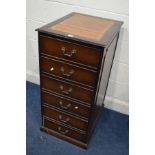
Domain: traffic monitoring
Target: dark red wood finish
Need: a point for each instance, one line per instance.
(64, 130)
(53, 47)
(70, 80)
(67, 105)
(64, 118)
(67, 89)
(68, 71)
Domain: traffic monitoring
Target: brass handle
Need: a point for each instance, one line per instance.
(64, 107)
(68, 54)
(63, 132)
(64, 120)
(66, 74)
(65, 92)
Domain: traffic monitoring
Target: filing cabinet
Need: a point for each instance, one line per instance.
(75, 53)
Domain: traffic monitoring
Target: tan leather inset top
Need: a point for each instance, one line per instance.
(84, 26)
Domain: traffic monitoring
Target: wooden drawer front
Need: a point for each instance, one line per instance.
(65, 104)
(67, 89)
(64, 130)
(69, 51)
(68, 71)
(64, 118)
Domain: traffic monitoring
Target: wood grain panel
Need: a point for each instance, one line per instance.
(64, 130)
(64, 118)
(68, 71)
(84, 55)
(69, 90)
(66, 104)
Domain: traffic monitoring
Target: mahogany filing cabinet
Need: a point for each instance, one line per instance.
(76, 54)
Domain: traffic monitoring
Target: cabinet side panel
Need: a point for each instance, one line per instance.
(108, 57)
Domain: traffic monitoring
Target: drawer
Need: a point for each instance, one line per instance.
(65, 104)
(68, 71)
(64, 118)
(67, 89)
(69, 51)
(64, 130)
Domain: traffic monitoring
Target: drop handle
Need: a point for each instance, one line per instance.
(64, 106)
(70, 73)
(64, 91)
(64, 120)
(62, 132)
(68, 54)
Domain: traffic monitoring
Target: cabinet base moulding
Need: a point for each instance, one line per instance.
(63, 137)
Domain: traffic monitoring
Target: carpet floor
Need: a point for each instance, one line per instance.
(111, 136)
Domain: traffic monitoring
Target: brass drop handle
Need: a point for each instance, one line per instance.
(68, 54)
(65, 92)
(62, 132)
(64, 106)
(71, 72)
(64, 120)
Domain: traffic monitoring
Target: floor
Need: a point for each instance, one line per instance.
(111, 136)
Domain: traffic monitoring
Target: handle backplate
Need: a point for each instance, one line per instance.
(62, 132)
(64, 120)
(71, 72)
(68, 54)
(66, 92)
(64, 106)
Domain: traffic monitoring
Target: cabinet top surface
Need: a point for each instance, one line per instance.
(84, 27)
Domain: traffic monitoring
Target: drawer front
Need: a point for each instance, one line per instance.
(68, 71)
(65, 104)
(64, 130)
(64, 118)
(67, 89)
(69, 51)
